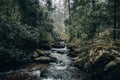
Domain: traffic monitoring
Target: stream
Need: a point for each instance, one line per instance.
(62, 69)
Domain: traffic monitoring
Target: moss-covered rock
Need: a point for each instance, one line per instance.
(102, 63)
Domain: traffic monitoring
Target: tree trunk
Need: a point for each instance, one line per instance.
(115, 20)
(94, 24)
(69, 8)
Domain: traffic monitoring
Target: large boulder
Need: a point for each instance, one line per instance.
(39, 53)
(43, 56)
(29, 72)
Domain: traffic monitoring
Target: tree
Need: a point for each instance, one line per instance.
(89, 18)
(24, 26)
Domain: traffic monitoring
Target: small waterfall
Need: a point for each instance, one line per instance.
(62, 69)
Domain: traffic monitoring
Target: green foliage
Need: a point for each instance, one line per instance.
(24, 26)
(91, 18)
(94, 25)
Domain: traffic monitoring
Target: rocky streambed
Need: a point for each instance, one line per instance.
(100, 62)
(47, 65)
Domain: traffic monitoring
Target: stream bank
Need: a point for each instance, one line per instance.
(101, 62)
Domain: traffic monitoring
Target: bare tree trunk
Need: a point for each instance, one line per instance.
(115, 19)
(117, 32)
(93, 16)
(69, 8)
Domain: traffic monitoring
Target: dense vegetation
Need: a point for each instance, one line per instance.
(94, 27)
(94, 21)
(24, 26)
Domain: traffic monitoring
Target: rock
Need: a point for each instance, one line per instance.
(38, 66)
(43, 53)
(45, 59)
(19, 76)
(46, 53)
(35, 73)
(42, 58)
(51, 56)
(40, 52)
(77, 60)
(35, 54)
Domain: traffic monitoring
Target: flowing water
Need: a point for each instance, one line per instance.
(62, 69)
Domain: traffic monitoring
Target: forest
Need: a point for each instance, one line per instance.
(59, 39)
